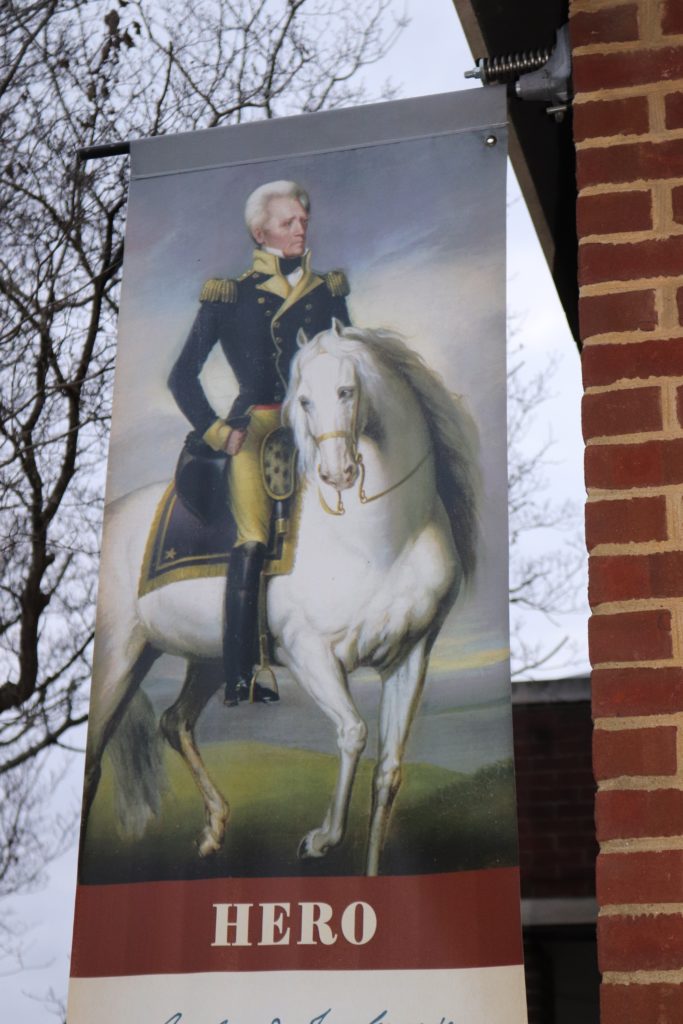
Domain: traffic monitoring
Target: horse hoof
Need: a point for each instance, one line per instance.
(308, 850)
(207, 846)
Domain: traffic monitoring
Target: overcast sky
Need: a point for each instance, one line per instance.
(430, 57)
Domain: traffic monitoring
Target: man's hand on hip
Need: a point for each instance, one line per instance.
(235, 441)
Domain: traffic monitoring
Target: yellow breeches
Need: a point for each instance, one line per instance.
(249, 503)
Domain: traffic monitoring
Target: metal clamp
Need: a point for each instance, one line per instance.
(542, 75)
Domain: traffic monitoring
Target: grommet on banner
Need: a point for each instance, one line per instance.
(490, 140)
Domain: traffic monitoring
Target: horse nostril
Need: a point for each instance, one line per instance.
(349, 470)
(325, 477)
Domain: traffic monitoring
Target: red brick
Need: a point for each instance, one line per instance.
(620, 692)
(647, 942)
(631, 814)
(633, 67)
(626, 520)
(620, 466)
(679, 303)
(621, 311)
(679, 404)
(630, 636)
(611, 117)
(673, 109)
(625, 577)
(605, 364)
(634, 752)
(672, 17)
(629, 161)
(623, 261)
(641, 1004)
(677, 203)
(612, 579)
(652, 877)
(616, 25)
(613, 212)
(627, 411)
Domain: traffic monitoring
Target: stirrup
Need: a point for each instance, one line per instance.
(271, 685)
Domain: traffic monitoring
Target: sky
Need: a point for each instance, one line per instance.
(430, 57)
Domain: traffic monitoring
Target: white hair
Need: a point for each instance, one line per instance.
(256, 207)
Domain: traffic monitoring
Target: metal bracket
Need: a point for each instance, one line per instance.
(104, 149)
(542, 75)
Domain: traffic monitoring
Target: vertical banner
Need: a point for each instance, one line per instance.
(299, 803)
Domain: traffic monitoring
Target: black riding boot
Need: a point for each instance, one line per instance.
(241, 625)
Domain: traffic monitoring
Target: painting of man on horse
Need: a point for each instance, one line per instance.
(255, 319)
(344, 582)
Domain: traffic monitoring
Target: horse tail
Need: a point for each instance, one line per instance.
(136, 753)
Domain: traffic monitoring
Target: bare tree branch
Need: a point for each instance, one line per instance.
(74, 73)
(544, 580)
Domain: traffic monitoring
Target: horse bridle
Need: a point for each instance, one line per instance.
(358, 459)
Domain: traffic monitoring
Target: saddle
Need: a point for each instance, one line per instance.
(201, 476)
(193, 530)
(201, 479)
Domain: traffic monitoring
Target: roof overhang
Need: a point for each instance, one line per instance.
(541, 149)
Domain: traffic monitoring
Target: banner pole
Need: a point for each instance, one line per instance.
(105, 149)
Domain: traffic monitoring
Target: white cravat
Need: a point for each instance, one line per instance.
(296, 274)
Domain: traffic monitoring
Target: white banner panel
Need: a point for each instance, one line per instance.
(476, 996)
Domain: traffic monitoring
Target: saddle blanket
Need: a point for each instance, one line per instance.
(181, 547)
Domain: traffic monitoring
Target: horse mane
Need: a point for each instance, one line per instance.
(452, 429)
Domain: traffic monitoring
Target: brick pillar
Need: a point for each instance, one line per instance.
(628, 120)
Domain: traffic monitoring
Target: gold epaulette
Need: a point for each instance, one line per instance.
(337, 282)
(218, 289)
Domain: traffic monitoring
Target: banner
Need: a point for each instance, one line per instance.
(299, 802)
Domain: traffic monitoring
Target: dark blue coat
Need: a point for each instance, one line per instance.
(255, 320)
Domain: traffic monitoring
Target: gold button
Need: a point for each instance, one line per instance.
(278, 338)
(309, 305)
(268, 312)
(261, 299)
(307, 319)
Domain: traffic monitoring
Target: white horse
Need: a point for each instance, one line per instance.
(387, 458)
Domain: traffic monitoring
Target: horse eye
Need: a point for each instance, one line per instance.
(304, 403)
(345, 393)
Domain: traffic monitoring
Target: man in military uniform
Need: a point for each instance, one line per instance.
(255, 319)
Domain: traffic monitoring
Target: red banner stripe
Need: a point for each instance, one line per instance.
(466, 919)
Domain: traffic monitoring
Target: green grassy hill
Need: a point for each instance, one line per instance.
(442, 821)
